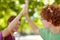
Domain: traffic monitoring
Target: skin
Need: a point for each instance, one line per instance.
(16, 27)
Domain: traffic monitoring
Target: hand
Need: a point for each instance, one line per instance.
(26, 9)
(25, 14)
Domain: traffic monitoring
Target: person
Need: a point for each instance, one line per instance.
(11, 37)
(17, 25)
(12, 27)
(50, 16)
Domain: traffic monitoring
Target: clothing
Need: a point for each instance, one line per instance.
(9, 37)
(1, 38)
(46, 34)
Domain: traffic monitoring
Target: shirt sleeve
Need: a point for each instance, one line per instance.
(1, 38)
(44, 33)
(10, 37)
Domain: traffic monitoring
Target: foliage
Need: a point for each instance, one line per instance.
(13, 7)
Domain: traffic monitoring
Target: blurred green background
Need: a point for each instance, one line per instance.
(13, 7)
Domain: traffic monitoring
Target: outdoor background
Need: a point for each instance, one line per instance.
(13, 7)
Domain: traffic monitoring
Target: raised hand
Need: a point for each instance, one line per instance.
(12, 25)
(26, 8)
(31, 23)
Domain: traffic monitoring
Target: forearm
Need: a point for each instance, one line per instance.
(14, 22)
(11, 26)
(33, 26)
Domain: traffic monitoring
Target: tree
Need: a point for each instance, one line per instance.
(13, 7)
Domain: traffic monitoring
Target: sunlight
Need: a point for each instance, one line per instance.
(50, 2)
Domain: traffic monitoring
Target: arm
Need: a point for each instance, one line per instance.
(33, 26)
(11, 26)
